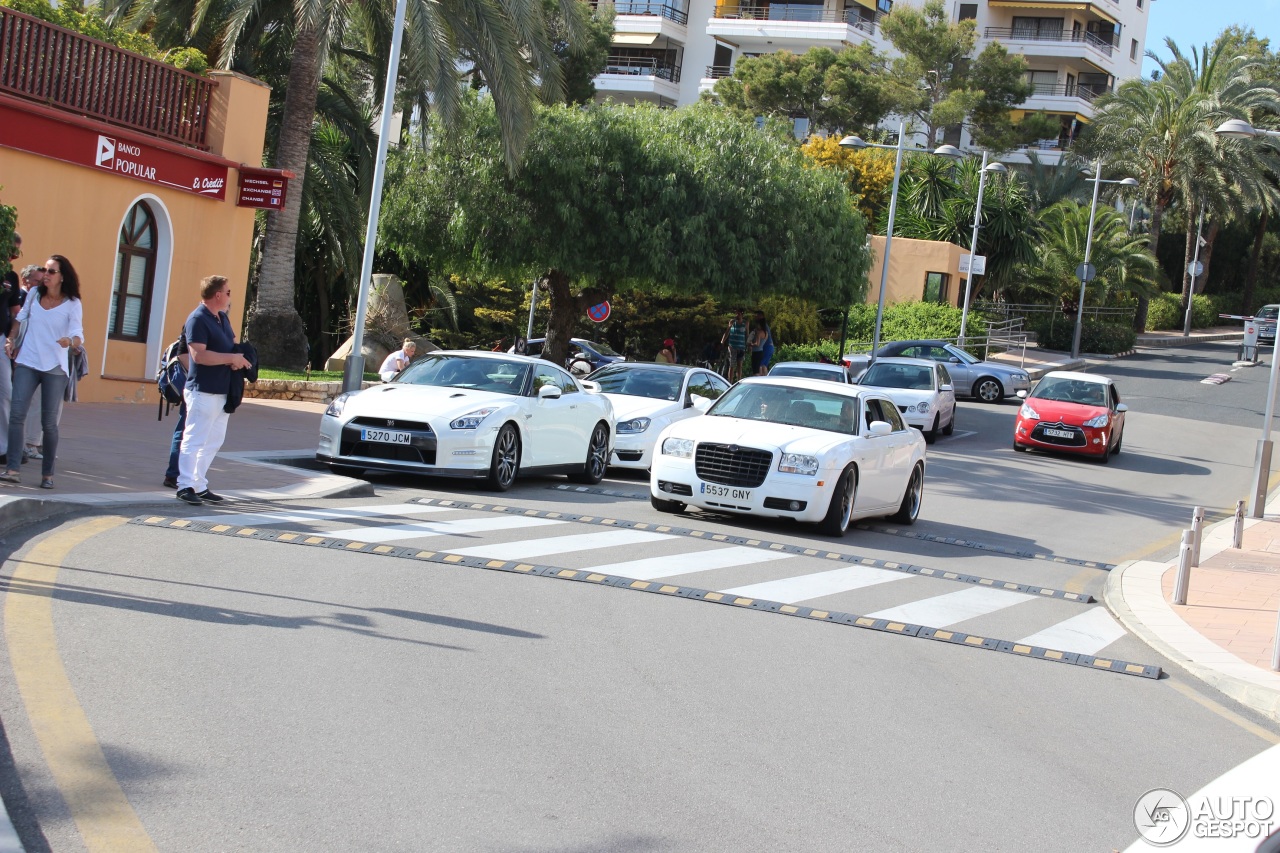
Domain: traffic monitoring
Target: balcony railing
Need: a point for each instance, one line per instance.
(663, 10)
(1028, 34)
(642, 66)
(801, 12)
(1085, 92)
(59, 68)
(715, 72)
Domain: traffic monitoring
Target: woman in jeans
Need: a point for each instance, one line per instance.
(49, 323)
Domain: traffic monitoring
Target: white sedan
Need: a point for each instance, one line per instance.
(647, 398)
(921, 388)
(807, 449)
(472, 414)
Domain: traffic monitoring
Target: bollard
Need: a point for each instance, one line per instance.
(1197, 533)
(1237, 535)
(1184, 569)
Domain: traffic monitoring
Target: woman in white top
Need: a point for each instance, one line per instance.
(398, 360)
(50, 322)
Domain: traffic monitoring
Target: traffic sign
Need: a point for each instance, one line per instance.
(1086, 272)
(1195, 268)
(599, 313)
(979, 264)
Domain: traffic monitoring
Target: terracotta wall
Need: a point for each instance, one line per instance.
(909, 262)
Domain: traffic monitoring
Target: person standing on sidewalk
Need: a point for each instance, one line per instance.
(175, 446)
(210, 344)
(10, 302)
(735, 337)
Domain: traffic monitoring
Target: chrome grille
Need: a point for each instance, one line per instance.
(731, 465)
(390, 423)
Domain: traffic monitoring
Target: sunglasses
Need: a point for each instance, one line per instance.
(48, 271)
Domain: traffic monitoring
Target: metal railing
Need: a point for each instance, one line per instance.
(715, 72)
(1085, 92)
(1028, 34)
(642, 66)
(1055, 313)
(63, 69)
(1006, 336)
(664, 10)
(808, 12)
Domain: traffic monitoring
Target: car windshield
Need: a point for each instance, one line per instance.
(909, 376)
(603, 349)
(459, 371)
(965, 358)
(1268, 312)
(639, 382)
(802, 407)
(807, 372)
(1063, 390)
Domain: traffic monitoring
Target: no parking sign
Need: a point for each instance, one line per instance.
(599, 313)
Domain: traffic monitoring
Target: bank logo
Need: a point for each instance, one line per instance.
(106, 152)
(1161, 817)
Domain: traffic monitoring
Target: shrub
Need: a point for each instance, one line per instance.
(1165, 311)
(1058, 333)
(807, 352)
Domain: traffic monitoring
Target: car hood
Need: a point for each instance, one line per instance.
(759, 434)
(395, 400)
(628, 406)
(1051, 411)
(996, 368)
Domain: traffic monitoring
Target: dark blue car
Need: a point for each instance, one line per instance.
(584, 356)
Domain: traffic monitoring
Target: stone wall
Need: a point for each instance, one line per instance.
(296, 389)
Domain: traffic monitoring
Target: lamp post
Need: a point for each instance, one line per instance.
(857, 143)
(997, 166)
(1086, 271)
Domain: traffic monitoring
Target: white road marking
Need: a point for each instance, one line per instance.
(423, 529)
(805, 587)
(528, 549)
(685, 564)
(322, 514)
(943, 610)
(1085, 634)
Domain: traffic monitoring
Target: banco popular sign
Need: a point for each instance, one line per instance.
(158, 167)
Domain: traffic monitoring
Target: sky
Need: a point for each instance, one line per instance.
(1192, 23)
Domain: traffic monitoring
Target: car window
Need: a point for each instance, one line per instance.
(545, 375)
(882, 410)
(701, 386)
(1063, 390)
(460, 371)
(1268, 312)
(1115, 397)
(807, 372)
(568, 385)
(913, 352)
(965, 358)
(533, 348)
(944, 378)
(802, 407)
(654, 383)
(718, 385)
(907, 376)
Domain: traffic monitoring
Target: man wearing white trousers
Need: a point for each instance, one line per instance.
(210, 340)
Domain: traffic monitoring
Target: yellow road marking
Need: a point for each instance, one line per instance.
(1223, 711)
(102, 813)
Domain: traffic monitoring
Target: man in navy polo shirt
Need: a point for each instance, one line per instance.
(209, 342)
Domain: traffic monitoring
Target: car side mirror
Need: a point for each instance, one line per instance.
(549, 392)
(955, 359)
(702, 403)
(1022, 395)
(1121, 408)
(879, 428)
(945, 388)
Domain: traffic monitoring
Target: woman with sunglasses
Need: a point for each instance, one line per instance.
(50, 323)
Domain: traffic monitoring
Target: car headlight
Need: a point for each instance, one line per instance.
(1100, 421)
(798, 463)
(1021, 377)
(682, 447)
(471, 420)
(337, 405)
(1029, 413)
(633, 426)
(921, 407)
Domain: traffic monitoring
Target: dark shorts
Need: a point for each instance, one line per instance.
(735, 354)
(757, 359)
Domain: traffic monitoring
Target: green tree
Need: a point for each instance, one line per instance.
(938, 82)
(608, 199)
(8, 222)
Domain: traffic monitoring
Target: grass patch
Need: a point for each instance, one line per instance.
(314, 376)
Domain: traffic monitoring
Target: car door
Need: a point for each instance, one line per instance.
(963, 374)
(946, 399)
(876, 455)
(702, 385)
(900, 445)
(552, 435)
(1117, 417)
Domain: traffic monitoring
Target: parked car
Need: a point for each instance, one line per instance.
(1266, 319)
(647, 398)
(922, 390)
(784, 447)
(988, 381)
(812, 370)
(472, 414)
(584, 356)
(1072, 412)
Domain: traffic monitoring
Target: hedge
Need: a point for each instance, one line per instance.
(1058, 333)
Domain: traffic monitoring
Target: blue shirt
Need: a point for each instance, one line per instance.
(216, 335)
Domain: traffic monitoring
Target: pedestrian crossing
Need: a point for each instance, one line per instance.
(750, 572)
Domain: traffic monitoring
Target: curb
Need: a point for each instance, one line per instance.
(1179, 340)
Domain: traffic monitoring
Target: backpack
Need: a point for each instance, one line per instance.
(171, 378)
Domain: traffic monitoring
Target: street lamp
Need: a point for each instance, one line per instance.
(995, 167)
(1085, 271)
(857, 143)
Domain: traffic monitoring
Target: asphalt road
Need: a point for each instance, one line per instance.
(259, 695)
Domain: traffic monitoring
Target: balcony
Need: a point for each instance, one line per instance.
(58, 68)
(661, 10)
(796, 26)
(1053, 40)
(1086, 92)
(639, 66)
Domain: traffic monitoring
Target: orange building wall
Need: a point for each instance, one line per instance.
(77, 211)
(909, 261)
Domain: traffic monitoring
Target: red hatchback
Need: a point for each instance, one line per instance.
(1074, 413)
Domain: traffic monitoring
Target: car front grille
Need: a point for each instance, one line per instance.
(420, 450)
(629, 455)
(731, 465)
(390, 423)
(1077, 438)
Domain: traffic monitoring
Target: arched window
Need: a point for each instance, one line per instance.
(135, 275)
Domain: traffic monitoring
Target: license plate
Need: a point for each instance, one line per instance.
(386, 436)
(1059, 433)
(726, 492)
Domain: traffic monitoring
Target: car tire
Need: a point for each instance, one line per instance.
(1119, 441)
(950, 428)
(666, 506)
(840, 510)
(347, 471)
(931, 435)
(912, 498)
(597, 457)
(1021, 448)
(504, 465)
(989, 390)
(1105, 458)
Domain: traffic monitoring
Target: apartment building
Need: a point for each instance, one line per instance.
(668, 52)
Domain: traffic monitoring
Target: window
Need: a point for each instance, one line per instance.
(968, 12)
(935, 287)
(1037, 28)
(135, 275)
(1139, 4)
(1043, 82)
(1133, 49)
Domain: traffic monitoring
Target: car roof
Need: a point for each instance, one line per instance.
(916, 342)
(818, 364)
(1080, 377)
(655, 365)
(898, 359)
(811, 384)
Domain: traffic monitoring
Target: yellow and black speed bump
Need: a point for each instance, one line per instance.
(658, 587)
(890, 530)
(764, 544)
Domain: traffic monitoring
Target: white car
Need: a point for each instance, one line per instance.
(807, 449)
(813, 370)
(472, 414)
(921, 388)
(647, 398)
